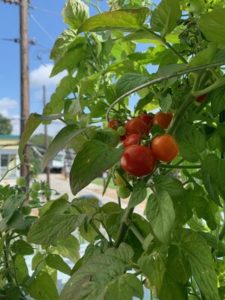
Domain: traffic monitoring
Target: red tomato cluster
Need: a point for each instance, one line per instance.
(140, 160)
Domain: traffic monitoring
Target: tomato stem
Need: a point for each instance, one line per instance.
(160, 79)
(179, 167)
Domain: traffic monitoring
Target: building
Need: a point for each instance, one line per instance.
(9, 155)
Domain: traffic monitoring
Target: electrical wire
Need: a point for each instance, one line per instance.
(44, 10)
(42, 28)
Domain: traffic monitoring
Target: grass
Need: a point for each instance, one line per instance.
(99, 181)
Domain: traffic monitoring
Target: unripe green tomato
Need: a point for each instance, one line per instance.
(108, 136)
(21, 181)
(34, 194)
(121, 130)
(123, 192)
(36, 186)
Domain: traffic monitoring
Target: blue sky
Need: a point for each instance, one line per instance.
(45, 24)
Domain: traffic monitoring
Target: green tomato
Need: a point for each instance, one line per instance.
(34, 194)
(121, 130)
(123, 192)
(36, 186)
(21, 181)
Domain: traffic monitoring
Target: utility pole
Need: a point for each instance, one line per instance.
(24, 77)
(47, 169)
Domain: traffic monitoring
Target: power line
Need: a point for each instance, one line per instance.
(44, 10)
(42, 28)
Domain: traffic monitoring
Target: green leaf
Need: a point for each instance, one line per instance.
(49, 231)
(165, 17)
(43, 287)
(212, 25)
(161, 215)
(205, 56)
(168, 183)
(56, 104)
(61, 140)
(20, 268)
(22, 247)
(63, 43)
(139, 194)
(91, 162)
(130, 81)
(56, 262)
(126, 19)
(191, 142)
(200, 259)
(213, 170)
(153, 266)
(68, 247)
(97, 274)
(108, 136)
(57, 223)
(125, 287)
(31, 125)
(217, 98)
(172, 290)
(75, 13)
(71, 59)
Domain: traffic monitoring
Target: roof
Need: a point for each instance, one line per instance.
(9, 137)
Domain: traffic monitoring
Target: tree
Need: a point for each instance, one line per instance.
(5, 125)
(170, 60)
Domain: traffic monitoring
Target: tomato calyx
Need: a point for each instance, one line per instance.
(114, 124)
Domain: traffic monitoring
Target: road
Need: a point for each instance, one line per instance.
(61, 185)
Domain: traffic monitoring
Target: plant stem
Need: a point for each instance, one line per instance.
(179, 115)
(136, 232)
(160, 79)
(179, 167)
(167, 45)
(124, 227)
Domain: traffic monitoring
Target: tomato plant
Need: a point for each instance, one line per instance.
(132, 139)
(138, 57)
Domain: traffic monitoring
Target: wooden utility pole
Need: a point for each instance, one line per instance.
(47, 169)
(24, 77)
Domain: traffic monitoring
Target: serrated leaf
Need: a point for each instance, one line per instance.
(129, 81)
(191, 142)
(125, 287)
(200, 258)
(153, 266)
(63, 43)
(126, 19)
(172, 290)
(49, 231)
(97, 274)
(205, 56)
(20, 268)
(94, 158)
(61, 140)
(139, 194)
(56, 262)
(165, 17)
(43, 287)
(213, 170)
(68, 247)
(75, 13)
(21, 247)
(212, 25)
(217, 99)
(161, 215)
(168, 183)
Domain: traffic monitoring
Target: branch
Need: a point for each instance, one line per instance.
(160, 79)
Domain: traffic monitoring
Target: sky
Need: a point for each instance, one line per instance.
(45, 24)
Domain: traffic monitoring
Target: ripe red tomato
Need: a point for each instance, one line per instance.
(147, 118)
(132, 139)
(136, 125)
(138, 160)
(201, 98)
(163, 119)
(114, 124)
(164, 147)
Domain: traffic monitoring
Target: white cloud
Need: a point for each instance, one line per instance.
(7, 104)
(41, 76)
